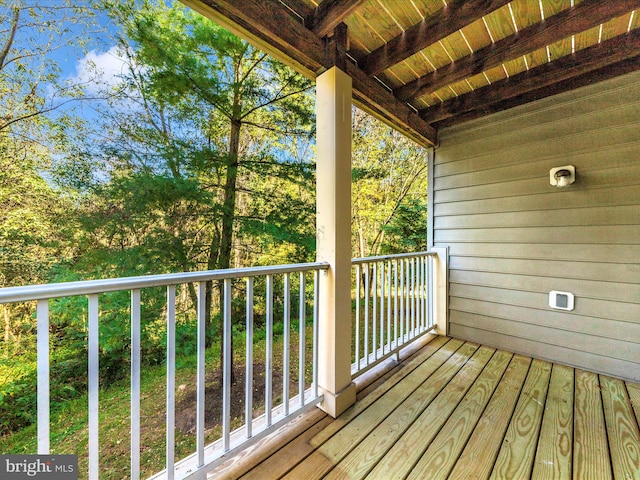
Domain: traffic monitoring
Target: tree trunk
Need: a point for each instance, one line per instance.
(212, 264)
(229, 203)
(228, 219)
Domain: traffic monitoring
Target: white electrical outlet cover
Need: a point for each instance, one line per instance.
(561, 300)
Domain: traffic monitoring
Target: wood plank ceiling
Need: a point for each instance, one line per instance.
(424, 64)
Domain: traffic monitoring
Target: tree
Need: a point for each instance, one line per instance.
(34, 95)
(192, 61)
(35, 101)
(32, 85)
(196, 144)
(389, 190)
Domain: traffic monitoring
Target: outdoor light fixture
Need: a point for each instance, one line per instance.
(562, 176)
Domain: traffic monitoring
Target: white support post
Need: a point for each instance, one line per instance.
(440, 290)
(333, 222)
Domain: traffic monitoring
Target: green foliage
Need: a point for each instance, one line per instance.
(405, 232)
(200, 157)
(389, 189)
(32, 88)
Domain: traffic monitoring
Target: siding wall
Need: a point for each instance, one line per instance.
(513, 237)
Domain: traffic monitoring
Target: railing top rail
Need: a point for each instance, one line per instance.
(88, 287)
(396, 256)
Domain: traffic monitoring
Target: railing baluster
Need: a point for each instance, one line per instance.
(42, 312)
(135, 384)
(227, 364)
(382, 290)
(408, 300)
(409, 295)
(249, 360)
(357, 339)
(389, 339)
(419, 295)
(316, 301)
(374, 298)
(430, 291)
(395, 304)
(366, 314)
(423, 291)
(413, 298)
(268, 388)
(171, 381)
(200, 387)
(401, 300)
(286, 343)
(94, 450)
(302, 334)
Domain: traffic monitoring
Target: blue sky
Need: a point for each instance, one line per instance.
(102, 52)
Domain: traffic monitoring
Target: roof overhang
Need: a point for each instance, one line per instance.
(420, 65)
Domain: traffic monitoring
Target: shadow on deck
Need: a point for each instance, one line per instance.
(457, 409)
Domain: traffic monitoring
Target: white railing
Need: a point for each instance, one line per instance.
(280, 278)
(393, 306)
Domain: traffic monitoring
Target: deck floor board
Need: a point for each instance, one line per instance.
(516, 456)
(555, 446)
(442, 454)
(458, 410)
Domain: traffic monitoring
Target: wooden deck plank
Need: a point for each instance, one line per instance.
(515, 459)
(262, 450)
(440, 457)
(479, 454)
(286, 458)
(344, 440)
(554, 456)
(365, 455)
(414, 373)
(590, 448)
(624, 437)
(634, 396)
(458, 410)
(406, 437)
(411, 358)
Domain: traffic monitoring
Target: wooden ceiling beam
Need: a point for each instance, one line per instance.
(269, 26)
(375, 99)
(273, 28)
(329, 14)
(588, 78)
(300, 8)
(441, 24)
(601, 55)
(585, 15)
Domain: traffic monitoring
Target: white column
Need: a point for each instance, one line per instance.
(333, 222)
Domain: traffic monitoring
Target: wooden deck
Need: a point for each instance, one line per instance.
(459, 410)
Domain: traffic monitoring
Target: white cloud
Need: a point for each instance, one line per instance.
(100, 69)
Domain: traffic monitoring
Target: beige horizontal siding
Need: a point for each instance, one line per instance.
(571, 355)
(509, 185)
(614, 195)
(538, 251)
(587, 289)
(605, 346)
(610, 215)
(589, 234)
(513, 237)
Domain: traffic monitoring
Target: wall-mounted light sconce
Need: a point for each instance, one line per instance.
(562, 176)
